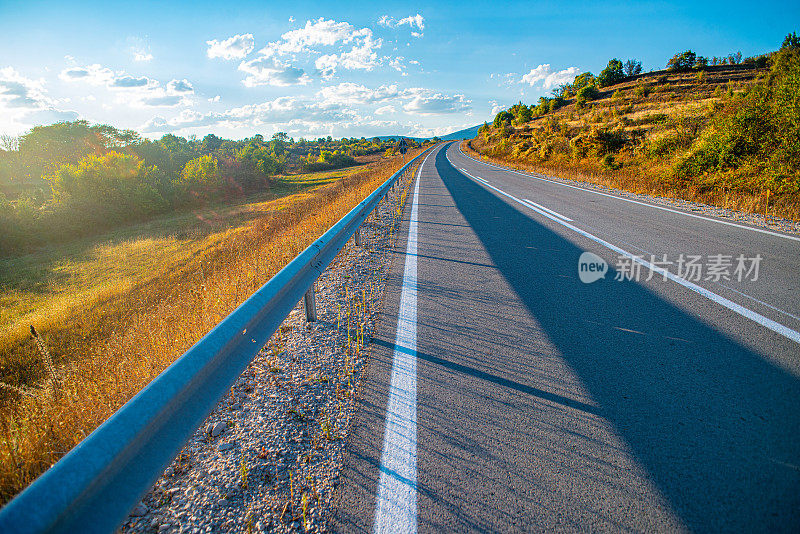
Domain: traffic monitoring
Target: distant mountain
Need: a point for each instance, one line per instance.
(467, 133)
(397, 138)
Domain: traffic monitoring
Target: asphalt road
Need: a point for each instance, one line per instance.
(505, 394)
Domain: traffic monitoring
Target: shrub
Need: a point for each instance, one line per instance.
(587, 93)
(633, 67)
(682, 62)
(642, 91)
(612, 74)
(103, 191)
(760, 128)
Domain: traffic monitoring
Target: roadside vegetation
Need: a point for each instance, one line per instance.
(114, 302)
(720, 130)
(73, 179)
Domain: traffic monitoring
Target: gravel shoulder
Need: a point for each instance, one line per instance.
(268, 458)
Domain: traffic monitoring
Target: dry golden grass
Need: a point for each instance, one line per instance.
(648, 181)
(682, 100)
(124, 310)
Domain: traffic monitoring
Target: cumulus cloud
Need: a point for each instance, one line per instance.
(426, 102)
(180, 86)
(283, 110)
(356, 94)
(415, 21)
(24, 102)
(139, 49)
(138, 91)
(385, 110)
(127, 81)
(93, 74)
(353, 49)
(236, 47)
(320, 32)
(549, 78)
(268, 70)
(362, 56)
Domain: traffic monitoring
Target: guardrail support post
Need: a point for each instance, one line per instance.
(310, 304)
(358, 236)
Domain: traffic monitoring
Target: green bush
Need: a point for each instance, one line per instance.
(612, 74)
(587, 93)
(683, 61)
(759, 128)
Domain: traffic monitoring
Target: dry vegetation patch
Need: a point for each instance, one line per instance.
(138, 303)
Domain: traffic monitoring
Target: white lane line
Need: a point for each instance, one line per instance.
(474, 177)
(722, 301)
(760, 230)
(548, 210)
(396, 499)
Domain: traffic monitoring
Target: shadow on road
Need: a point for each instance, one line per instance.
(714, 424)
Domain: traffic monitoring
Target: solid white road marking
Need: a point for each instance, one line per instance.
(396, 499)
(548, 210)
(737, 308)
(760, 230)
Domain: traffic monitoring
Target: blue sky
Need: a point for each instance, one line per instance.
(337, 68)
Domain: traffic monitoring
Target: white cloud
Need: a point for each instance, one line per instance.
(139, 49)
(236, 47)
(17, 91)
(281, 111)
(92, 74)
(496, 107)
(24, 103)
(267, 70)
(427, 102)
(142, 56)
(180, 86)
(385, 110)
(355, 94)
(415, 21)
(362, 56)
(137, 91)
(215, 99)
(320, 32)
(127, 81)
(550, 79)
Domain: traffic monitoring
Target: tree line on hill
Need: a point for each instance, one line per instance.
(586, 86)
(73, 178)
(746, 140)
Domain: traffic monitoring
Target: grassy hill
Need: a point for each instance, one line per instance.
(727, 134)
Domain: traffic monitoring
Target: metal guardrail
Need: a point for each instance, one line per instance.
(94, 486)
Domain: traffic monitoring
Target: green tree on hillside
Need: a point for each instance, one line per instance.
(612, 74)
(633, 67)
(682, 62)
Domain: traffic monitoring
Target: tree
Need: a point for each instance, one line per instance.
(613, 73)
(791, 41)
(211, 143)
(683, 61)
(585, 94)
(502, 118)
(633, 67)
(582, 80)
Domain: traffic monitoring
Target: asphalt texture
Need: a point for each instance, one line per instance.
(547, 404)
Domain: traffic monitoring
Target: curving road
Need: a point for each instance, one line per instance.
(505, 394)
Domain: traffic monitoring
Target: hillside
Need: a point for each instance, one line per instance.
(467, 133)
(724, 134)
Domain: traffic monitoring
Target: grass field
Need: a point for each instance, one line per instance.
(116, 309)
